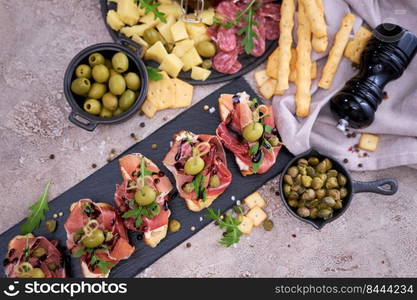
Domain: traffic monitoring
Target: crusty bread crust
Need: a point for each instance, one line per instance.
(18, 237)
(193, 206)
(88, 274)
(153, 237)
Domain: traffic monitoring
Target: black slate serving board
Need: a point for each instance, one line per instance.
(248, 62)
(100, 187)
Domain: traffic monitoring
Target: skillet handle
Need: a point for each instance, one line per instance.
(88, 125)
(377, 186)
(129, 44)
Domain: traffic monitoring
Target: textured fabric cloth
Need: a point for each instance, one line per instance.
(396, 118)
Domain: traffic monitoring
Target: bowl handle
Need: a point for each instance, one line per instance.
(386, 186)
(125, 41)
(88, 125)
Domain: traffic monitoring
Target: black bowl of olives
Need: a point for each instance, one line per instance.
(105, 84)
(318, 189)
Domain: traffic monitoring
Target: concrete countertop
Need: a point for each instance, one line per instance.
(375, 237)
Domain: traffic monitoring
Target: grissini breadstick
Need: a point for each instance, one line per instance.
(320, 44)
(286, 25)
(303, 64)
(355, 47)
(293, 67)
(336, 53)
(317, 23)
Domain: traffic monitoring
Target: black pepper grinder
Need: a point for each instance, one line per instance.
(387, 54)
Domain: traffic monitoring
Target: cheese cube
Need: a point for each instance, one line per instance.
(128, 12)
(368, 142)
(254, 199)
(198, 73)
(182, 47)
(114, 20)
(207, 16)
(171, 64)
(179, 32)
(150, 20)
(257, 215)
(245, 225)
(129, 31)
(142, 42)
(165, 29)
(173, 9)
(165, 1)
(197, 32)
(156, 52)
(190, 59)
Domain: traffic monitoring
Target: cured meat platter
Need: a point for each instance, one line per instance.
(101, 185)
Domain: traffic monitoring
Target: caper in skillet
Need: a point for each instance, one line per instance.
(293, 202)
(338, 204)
(343, 192)
(334, 193)
(293, 195)
(325, 213)
(312, 203)
(321, 167)
(320, 194)
(306, 180)
(322, 176)
(302, 170)
(317, 183)
(310, 171)
(329, 201)
(313, 161)
(293, 171)
(341, 179)
(313, 213)
(301, 203)
(302, 162)
(303, 212)
(299, 189)
(328, 163)
(288, 179)
(332, 173)
(297, 179)
(332, 183)
(308, 195)
(287, 189)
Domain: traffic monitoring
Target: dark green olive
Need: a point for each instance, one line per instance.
(332, 173)
(293, 172)
(313, 161)
(334, 193)
(214, 181)
(302, 162)
(151, 36)
(303, 212)
(343, 192)
(101, 73)
(97, 90)
(274, 141)
(330, 202)
(341, 179)
(132, 81)
(325, 213)
(206, 49)
(92, 106)
(174, 225)
(81, 86)
(117, 84)
(332, 183)
(96, 59)
(306, 180)
(120, 62)
(320, 194)
(127, 99)
(288, 179)
(83, 71)
(105, 113)
(317, 183)
(293, 203)
(206, 64)
(313, 212)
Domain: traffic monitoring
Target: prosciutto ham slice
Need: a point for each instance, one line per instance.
(97, 262)
(21, 252)
(214, 165)
(155, 228)
(236, 112)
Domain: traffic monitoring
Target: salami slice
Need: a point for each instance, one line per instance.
(271, 29)
(259, 40)
(227, 39)
(225, 61)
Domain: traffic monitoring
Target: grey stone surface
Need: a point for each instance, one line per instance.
(376, 236)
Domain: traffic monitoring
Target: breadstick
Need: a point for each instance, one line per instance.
(293, 73)
(355, 47)
(320, 44)
(303, 64)
(286, 25)
(335, 55)
(317, 23)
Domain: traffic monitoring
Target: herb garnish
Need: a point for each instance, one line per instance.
(254, 149)
(151, 6)
(229, 224)
(199, 188)
(38, 212)
(153, 74)
(95, 261)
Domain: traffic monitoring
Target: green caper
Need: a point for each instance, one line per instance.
(332, 173)
(52, 266)
(96, 59)
(311, 194)
(301, 203)
(299, 189)
(302, 162)
(312, 203)
(306, 180)
(313, 212)
(287, 189)
(317, 183)
(206, 49)
(332, 183)
(274, 141)
(50, 225)
(343, 192)
(39, 252)
(325, 213)
(293, 195)
(322, 205)
(328, 163)
(322, 176)
(303, 212)
(341, 179)
(334, 193)
(293, 172)
(293, 203)
(313, 161)
(83, 71)
(330, 202)
(297, 179)
(302, 170)
(321, 167)
(338, 204)
(310, 171)
(214, 181)
(105, 113)
(188, 187)
(268, 225)
(206, 64)
(151, 36)
(288, 179)
(174, 225)
(320, 193)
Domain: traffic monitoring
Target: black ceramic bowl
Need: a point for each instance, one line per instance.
(89, 122)
(385, 186)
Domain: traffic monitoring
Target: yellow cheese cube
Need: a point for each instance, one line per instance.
(182, 47)
(156, 52)
(190, 59)
(173, 9)
(254, 199)
(150, 20)
(129, 31)
(165, 1)
(207, 16)
(257, 215)
(171, 64)
(197, 32)
(198, 73)
(246, 224)
(128, 12)
(179, 32)
(165, 29)
(114, 20)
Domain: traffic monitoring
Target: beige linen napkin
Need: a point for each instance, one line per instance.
(396, 118)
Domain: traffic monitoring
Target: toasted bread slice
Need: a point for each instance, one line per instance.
(193, 206)
(153, 237)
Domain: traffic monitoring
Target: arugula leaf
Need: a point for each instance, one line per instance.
(254, 149)
(267, 128)
(247, 31)
(152, 6)
(38, 212)
(256, 165)
(154, 74)
(254, 102)
(133, 212)
(199, 189)
(104, 266)
(80, 252)
(229, 223)
(138, 221)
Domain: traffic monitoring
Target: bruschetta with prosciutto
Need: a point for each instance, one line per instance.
(142, 198)
(95, 234)
(33, 257)
(198, 163)
(248, 130)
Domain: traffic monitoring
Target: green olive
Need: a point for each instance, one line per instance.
(105, 113)
(120, 62)
(132, 81)
(117, 112)
(207, 64)
(341, 179)
(101, 73)
(110, 101)
(151, 36)
(92, 106)
(80, 86)
(95, 239)
(194, 165)
(268, 225)
(189, 187)
(313, 161)
(117, 84)
(127, 99)
(83, 71)
(206, 49)
(303, 212)
(274, 141)
(37, 273)
(253, 132)
(97, 90)
(145, 196)
(174, 225)
(293, 171)
(39, 252)
(96, 59)
(214, 181)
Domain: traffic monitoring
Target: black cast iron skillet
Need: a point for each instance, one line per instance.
(386, 186)
(89, 122)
